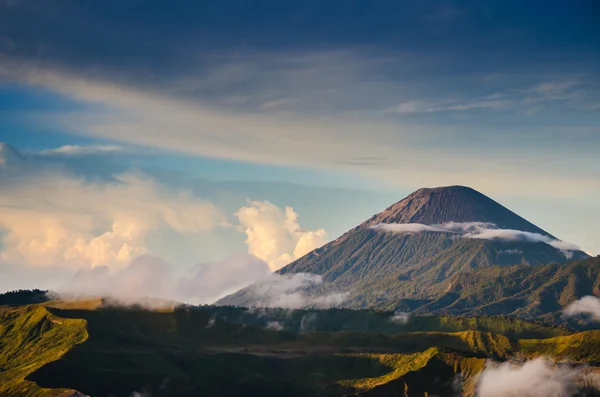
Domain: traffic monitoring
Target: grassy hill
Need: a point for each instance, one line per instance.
(57, 347)
(31, 337)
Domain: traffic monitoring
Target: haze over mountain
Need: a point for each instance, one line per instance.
(406, 256)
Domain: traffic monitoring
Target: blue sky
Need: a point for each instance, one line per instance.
(333, 108)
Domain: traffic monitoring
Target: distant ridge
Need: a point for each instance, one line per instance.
(380, 269)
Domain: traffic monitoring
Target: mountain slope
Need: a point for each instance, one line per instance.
(378, 268)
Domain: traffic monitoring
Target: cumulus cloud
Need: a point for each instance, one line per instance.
(150, 281)
(275, 235)
(52, 218)
(77, 150)
(588, 306)
(536, 378)
(291, 292)
(480, 230)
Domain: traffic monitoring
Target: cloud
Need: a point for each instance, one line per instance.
(410, 228)
(510, 99)
(479, 230)
(208, 282)
(52, 218)
(291, 292)
(138, 113)
(421, 106)
(510, 252)
(539, 377)
(400, 317)
(76, 150)
(275, 235)
(275, 325)
(152, 282)
(588, 305)
(519, 235)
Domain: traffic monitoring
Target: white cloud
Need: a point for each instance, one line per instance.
(56, 219)
(275, 325)
(290, 292)
(588, 305)
(150, 281)
(77, 150)
(479, 230)
(275, 235)
(400, 317)
(519, 235)
(409, 228)
(539, 377)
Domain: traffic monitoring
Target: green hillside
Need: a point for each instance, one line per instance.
(100, 351)
(31, 337)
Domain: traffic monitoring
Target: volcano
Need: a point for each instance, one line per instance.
(408, 255)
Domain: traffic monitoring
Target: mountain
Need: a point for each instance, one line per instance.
(409, 251)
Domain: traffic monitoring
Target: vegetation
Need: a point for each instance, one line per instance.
(23, 297)
(31, 337)
(524, 291)
(57, 347)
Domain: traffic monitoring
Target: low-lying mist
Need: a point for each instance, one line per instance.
(149, 281)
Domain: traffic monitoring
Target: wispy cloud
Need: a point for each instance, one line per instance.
(521, 100)
(77, 150)
(336, 100)
(290, 291)
(423, 106)
(150, 281)
(479, 230)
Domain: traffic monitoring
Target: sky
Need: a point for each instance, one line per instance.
(201, 131)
